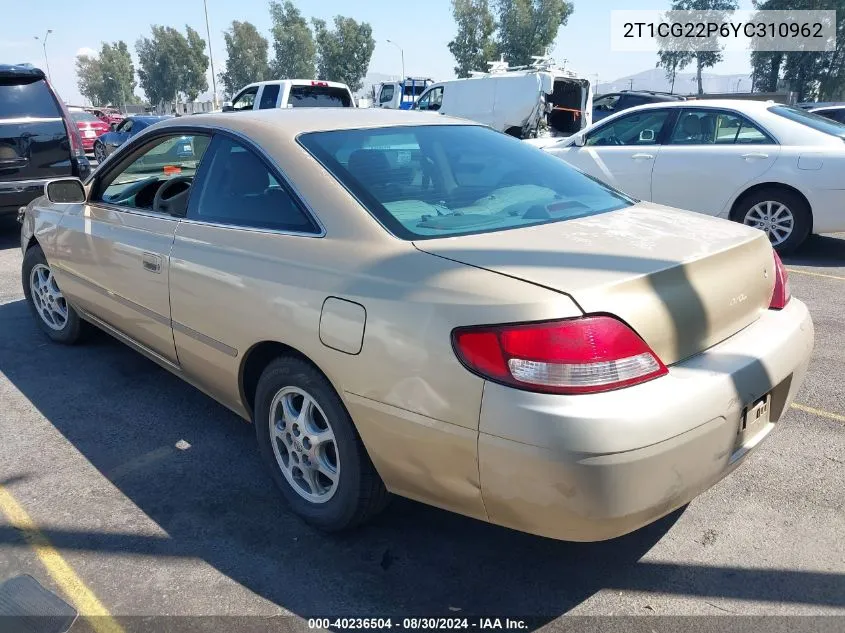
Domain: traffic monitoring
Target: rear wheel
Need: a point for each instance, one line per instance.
(310, 445)
(54, 315)
(783, 215)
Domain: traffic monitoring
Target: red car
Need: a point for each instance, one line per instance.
(90, 127)
(107, 115)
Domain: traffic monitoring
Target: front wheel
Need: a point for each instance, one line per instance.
(783, 215)
(310, 445)
(54, 315)
(99, 152)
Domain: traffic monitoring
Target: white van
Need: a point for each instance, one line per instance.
(291, 93)
(541, 100)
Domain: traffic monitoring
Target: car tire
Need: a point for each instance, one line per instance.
(305, 408)
(767, 208)
(53, 313)
(100, 152)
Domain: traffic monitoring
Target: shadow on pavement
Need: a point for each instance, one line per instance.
(824, 251)
(216, 503)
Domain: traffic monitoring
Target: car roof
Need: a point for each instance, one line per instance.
(740, 105)
(839, 106)
(150, 118)
(296, 82)
(294, 121)
(23, 71)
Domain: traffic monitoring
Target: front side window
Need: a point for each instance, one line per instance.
(387, 94)
(135, 183)
(440, 180)
(269, 97)
(125, 126)
(637, 128)
(245, 100)
(713, 127)
(432, 100)
(240, 190)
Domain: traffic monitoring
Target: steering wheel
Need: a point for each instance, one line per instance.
(176, 203)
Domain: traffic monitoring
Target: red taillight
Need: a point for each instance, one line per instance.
(781, 294)
(586, 355)
(319, 83)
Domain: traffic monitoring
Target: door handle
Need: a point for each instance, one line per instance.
(751, 155)
(642, 156)
(151, 262)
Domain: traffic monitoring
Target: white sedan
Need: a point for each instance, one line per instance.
(778, 168)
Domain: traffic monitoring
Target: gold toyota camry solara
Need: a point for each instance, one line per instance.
(407, 303)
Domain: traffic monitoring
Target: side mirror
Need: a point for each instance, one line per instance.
(579, 140)
(65, 191)
(113, 126)
(647, 136)
(227, 107)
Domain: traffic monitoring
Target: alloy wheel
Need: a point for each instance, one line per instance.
(774, 218)
(304, 445)
(99, 152)
(48, 300)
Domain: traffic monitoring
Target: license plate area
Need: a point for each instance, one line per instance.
(755, 417)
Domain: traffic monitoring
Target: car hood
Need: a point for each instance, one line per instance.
(682, 280)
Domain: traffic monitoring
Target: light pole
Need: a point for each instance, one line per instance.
(402, 53)
(210, 57)
(44, 46)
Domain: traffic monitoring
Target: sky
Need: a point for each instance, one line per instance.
(422, 28)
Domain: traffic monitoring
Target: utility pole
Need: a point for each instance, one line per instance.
(630, 84)
(44, 46)
(402, 53)
(210, 56)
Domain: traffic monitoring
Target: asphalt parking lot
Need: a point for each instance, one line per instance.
(89, 453)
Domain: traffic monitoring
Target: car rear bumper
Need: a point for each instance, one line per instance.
(593, 467)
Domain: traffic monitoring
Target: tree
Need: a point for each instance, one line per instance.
(709, 10)
(765, 70)
(118, 73)
(293, 43)
(344, 53)
(529, 27)
(673, 62)
(89, 78)
(172, 64)
(473, 45)
(246, 57)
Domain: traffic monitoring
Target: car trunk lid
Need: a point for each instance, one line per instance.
(682, 280)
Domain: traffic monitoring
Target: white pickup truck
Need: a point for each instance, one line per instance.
(541, 100)
(291, 93)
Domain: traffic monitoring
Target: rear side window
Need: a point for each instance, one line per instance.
(30, 99)
(319, 97)
(239, 190)
(442, 180)
(711, 127)
(269, 96)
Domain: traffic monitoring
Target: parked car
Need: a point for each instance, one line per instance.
(90, 127)
(399, 95)
(413, 303)
(614, 102)
(834, 113)
(768, 165)
(291, 93)
(542, 100)
(122, 132)
(38, 138)
(109, 116)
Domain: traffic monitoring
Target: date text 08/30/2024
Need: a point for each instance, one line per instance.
(415, 624)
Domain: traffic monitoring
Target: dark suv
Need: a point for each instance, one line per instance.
(38, 139)
(612, 102)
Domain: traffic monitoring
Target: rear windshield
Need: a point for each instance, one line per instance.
(29, 99)
(809, 119)
(440, 180)
(319, 97)
(84, 116)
